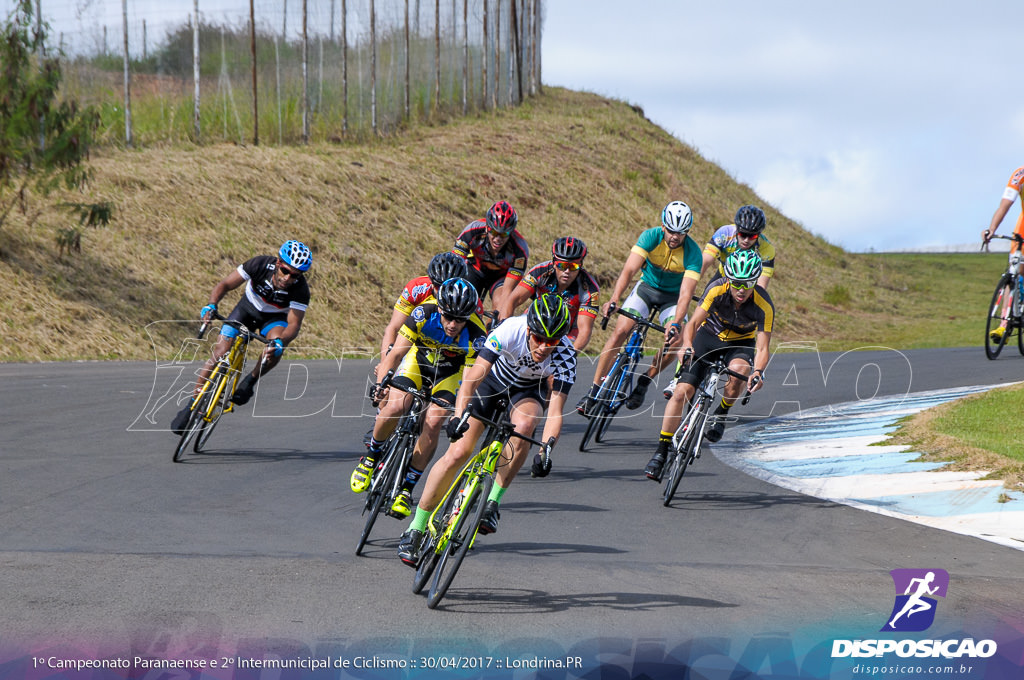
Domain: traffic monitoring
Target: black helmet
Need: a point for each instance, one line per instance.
(457, 299)
(569, 248)
(444, 266)
(548, 317)
(750, 219)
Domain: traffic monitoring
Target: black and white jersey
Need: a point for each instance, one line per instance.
(260, 292)
(508, 349)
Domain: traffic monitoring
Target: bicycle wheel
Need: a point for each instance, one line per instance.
(462, 534)
(195, 422)
(622, 387)
(206, 428)
(995, 312)
(383, 483)
(599, 414)
(685, 453)
(431, 556)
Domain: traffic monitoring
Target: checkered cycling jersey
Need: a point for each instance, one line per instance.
(260, 292)
(508, 349)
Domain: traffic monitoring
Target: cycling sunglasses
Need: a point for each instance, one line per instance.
(752, 237)
(499, 232)
(545, 342)
(565, 266)
(288, 271)
(743, 285)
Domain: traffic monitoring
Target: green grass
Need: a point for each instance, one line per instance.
(988, 422)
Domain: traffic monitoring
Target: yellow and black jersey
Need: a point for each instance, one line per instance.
(433, 348)
(730, 321)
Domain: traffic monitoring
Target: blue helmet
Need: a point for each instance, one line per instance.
(297, 255)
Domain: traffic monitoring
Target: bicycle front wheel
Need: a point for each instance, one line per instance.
(382, 484)
(431, 555)
(1000, 298)
(460, 540)
(684, 455)
(206, 428)
(618, 389)
(195, 424)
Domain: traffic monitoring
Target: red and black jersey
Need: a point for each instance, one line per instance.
(581, 296)
(472, 245)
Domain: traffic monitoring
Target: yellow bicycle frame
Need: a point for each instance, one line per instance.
(484, 463)
(219, 381)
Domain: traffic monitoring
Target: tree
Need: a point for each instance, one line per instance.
(44, 139)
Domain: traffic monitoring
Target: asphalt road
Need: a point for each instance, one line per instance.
(104, 542)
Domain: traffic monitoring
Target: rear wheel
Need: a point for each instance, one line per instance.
(461, 539)
(195, 424)
(995, 312)
(601, 412)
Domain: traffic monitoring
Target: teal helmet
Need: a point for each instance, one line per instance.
(548, 317)
(743, 266)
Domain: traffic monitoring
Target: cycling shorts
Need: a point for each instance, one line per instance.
(491, 394)
(707, 347)
(254, 320)
(644, 299)
(442, 384)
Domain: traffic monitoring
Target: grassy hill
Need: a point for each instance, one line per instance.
(571, 163)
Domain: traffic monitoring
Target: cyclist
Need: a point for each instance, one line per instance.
(516, 361)
(443, 266)
(495, 251)
(445, 335)
(275, 301)
(744, 233)
(565, 276)
(1013, 189)
(733, 321)
(669, 264)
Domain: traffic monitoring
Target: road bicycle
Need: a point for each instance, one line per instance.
(391, 469)
(214, 397)
(1007, 299)
(453, 526)
(617, 385)
(689, 436)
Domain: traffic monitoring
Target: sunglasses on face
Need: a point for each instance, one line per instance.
(742, 285)
(564, 266)
(288, 271)
(498, 234)
(752, 237)
(456, 319)
(545, 342)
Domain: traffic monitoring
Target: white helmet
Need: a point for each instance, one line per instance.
(677, 217)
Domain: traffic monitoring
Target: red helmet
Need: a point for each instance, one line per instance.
(502, 218)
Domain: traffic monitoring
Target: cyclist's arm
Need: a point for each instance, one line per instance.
(633, 264)
(295, 317)
(471, 379)
(227, 284)
(394, 357)
(584, 328)
(520, 294)
(686, 289)
(707, 259)
(997, 218)
(553, 422)
(697, 319)
(761, 357)
(390, 336)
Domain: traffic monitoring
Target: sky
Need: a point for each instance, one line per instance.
(885, 125)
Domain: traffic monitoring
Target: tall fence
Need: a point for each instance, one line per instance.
(290, 71)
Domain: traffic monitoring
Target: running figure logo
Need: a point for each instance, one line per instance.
(914, 609)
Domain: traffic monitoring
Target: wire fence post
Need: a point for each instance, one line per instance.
(373, 66)
(195, 69)
(437, 52)
(485, 49)
(127, 79)
(465, 56)
(407, 59)
(344, 66)
(252, 54)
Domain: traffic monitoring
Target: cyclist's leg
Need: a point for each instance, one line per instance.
(685, 389)
(623, 327)
(739, 358)
(526, 411)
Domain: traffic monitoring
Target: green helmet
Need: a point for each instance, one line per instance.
(743, 266)
(548, 317)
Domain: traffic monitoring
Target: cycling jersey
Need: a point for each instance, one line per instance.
(260, 292)
(730, 323)
(581, 296)
(1014, 188)
(725, 241)
(416, 292)
(435, 358)
(665, 268)
(508, 350)
(486, 269)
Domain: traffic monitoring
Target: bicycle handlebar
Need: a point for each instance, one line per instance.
(1016, 238)
(629, 315)
(215, 316)
(719, 367)
(503, 425)
(386, 383)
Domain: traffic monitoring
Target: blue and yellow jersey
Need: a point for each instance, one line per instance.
(433, 347)
(724, 242)
(729, 321)
(665, 268)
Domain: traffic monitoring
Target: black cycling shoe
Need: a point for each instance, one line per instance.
(409, 547)
(243, 393)
(655, 466)
(584, 405)
(180, 421)
(489, 521)
(714, 432)
(636, 398)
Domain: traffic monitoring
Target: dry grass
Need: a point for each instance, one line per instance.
(571, 163)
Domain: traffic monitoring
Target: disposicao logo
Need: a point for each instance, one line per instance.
(916, 589)
(914, 611)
